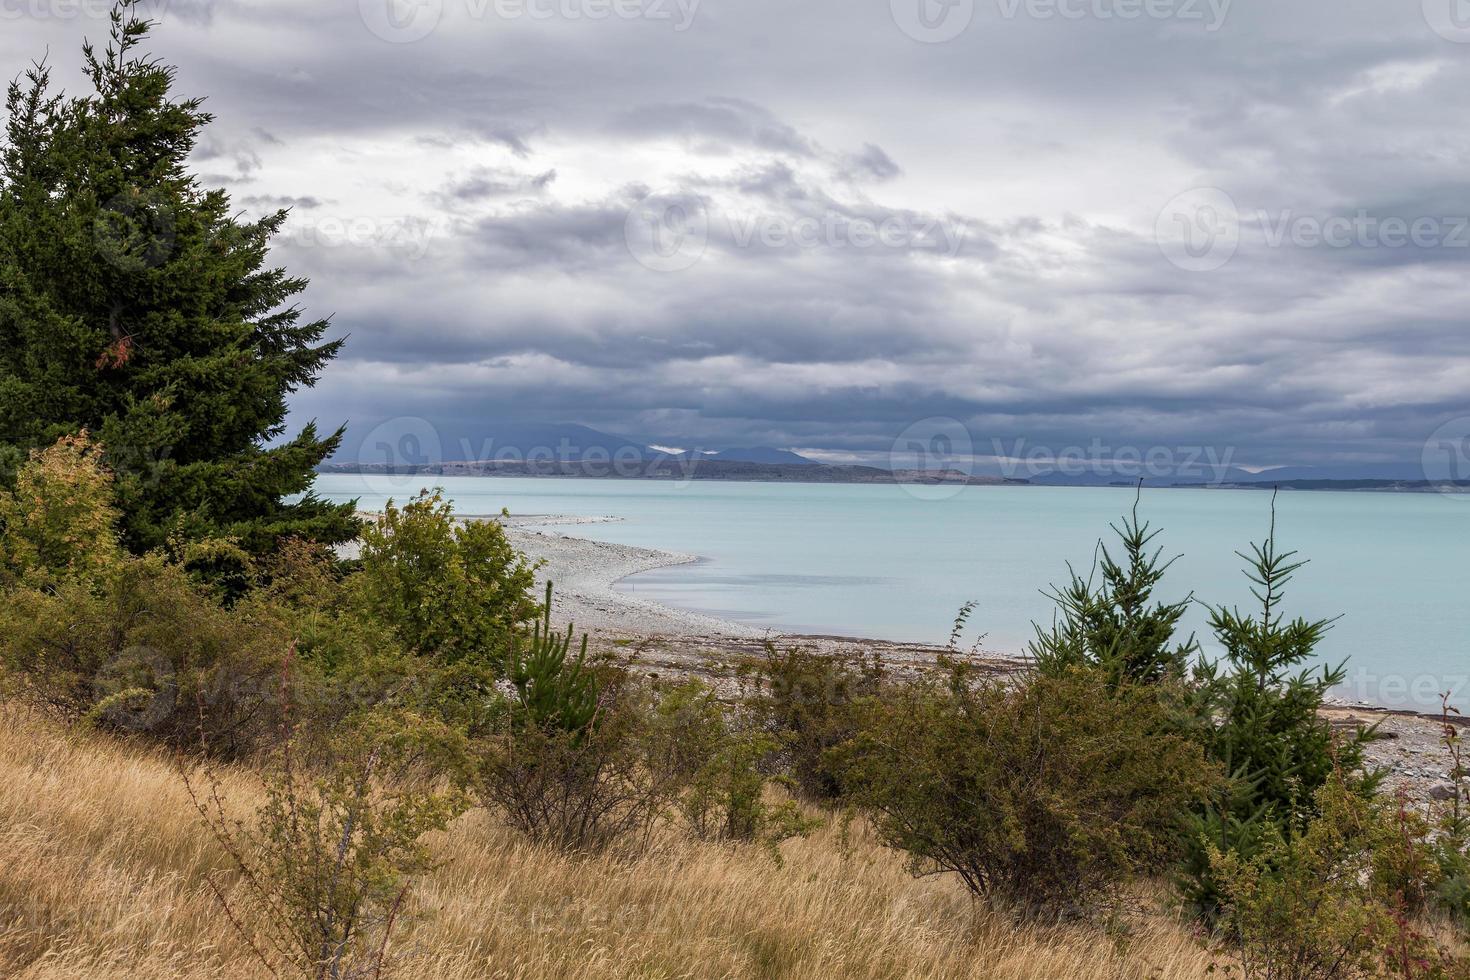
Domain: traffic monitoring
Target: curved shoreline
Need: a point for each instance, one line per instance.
(585, 573)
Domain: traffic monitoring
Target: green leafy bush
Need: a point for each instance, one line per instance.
(145, 649)
(91, 634)
(584, 789)
(718, 756)
(566, 760)
(59, 522)
(807, 701)
(1339, 899)
(451, 590)
(324, 867)
(1045, 796)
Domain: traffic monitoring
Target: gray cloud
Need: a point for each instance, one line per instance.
(795, 224)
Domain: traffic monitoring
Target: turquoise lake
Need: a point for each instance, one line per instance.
(896, 563)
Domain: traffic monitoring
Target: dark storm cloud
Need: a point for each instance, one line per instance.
(796, 224)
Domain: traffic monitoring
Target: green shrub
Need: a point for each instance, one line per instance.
(326, 864)
(554, 691)
(1045, 796)
(807, 701)
(145, 649)
(718, 756)
(566, 758)
(1260, 718)
(1338, 900)
(347, 660)
(581, 789)
(452, 590)
(1113, 626)
(1452, 844)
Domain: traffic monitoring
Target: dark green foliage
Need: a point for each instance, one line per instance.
(135, 303)
(1045, 797)
(556, 692)
(808, 702)
(1114, 626)
(1337, 899)
(1260, 720)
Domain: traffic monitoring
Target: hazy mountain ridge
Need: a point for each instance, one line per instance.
(576, 450)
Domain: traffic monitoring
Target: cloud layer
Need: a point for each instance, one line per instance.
(816, 225)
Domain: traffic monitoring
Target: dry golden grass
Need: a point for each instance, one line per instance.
(102, 865)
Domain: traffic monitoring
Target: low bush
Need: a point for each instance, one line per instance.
(807, 702)
(1045, 797)
(566, 760)
(718, 755)
(324, 867)
(580, 790)
(141, 650)
(453, 590)
(1338, 900)
(583, 757)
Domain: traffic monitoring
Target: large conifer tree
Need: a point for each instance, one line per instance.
(136, 304)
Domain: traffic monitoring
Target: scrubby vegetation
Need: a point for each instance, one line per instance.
(1046, 797)
(225, 749)
(1068, 798)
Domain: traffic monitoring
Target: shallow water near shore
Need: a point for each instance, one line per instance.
(896, 563)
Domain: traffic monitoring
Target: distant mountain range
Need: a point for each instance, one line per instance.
(570, 449)
(757, 454)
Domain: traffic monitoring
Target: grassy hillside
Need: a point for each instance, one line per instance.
(105, 871)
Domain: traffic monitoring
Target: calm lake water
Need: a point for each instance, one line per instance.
(896, 563)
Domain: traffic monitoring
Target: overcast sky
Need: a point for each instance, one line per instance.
(820, 223)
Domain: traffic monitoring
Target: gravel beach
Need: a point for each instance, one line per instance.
(585, 571)
(659, 638)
